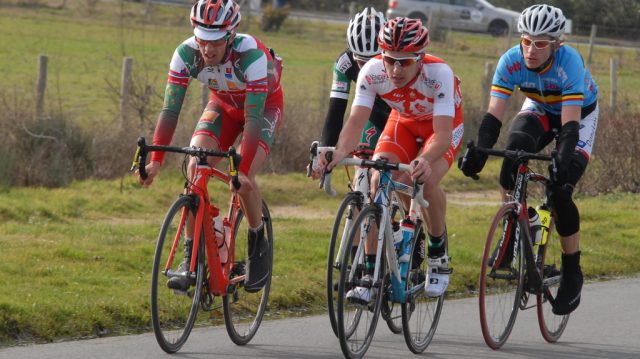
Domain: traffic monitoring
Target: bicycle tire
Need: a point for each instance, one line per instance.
(341, 226)
(549, 260)
(356, 320)
(168, 307)
(243, 311)
(500, 289)
(420, 313)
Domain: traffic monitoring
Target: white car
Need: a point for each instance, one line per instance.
(468, 15)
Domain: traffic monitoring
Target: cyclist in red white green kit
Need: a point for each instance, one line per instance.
(246, 99)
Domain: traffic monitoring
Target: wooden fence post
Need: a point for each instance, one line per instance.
(125, 89)
(614, 83)
(487, 78)
(592, 39)
(41, 85)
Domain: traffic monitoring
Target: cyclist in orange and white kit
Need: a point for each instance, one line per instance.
(246, 99)
(426, 103)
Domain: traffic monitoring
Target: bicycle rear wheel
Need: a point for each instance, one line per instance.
(243, 311)
(549, 260)
(173, 313)
(501, 282)
(420, 313)
(348, 210)
(357, 316)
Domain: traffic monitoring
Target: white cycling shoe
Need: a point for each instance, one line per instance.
(360, 295)
(438, 276)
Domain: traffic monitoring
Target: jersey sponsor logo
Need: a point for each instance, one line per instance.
(441, 95)
(562, 74)
(457, 135)
(374, 79)
(371, 131)
(213, 83)
(551, 86)
(363, 87)
(434, 84)
(513, 68)
(340, 86)
(227, 73)
(344, 63)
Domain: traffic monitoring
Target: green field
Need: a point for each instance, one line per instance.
(85, 56)
(75, 261)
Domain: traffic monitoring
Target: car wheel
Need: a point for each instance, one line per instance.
(498, 28)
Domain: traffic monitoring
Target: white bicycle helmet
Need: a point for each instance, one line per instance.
(362, 32)
(542, 20)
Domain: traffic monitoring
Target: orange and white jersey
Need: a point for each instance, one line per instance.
(433, 92)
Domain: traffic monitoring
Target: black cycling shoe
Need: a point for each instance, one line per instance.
(568, 297)
(182, 283)
(258, 261)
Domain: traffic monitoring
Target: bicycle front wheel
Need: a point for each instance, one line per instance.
(348, 210)
(359, 293)
(243, 311)
(501, 278)
(420, 313)
(549, 261)
(173, 312)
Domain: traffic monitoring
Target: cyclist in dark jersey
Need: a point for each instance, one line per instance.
(362, 45)
(561, 96)
(246, 98)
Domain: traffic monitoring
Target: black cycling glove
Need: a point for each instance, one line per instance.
(487, 137)
(567, 141)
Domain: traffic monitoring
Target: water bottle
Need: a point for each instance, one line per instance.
(534, 226)
(407, 227)
(545, 222)
(397, 235)
(219, 230)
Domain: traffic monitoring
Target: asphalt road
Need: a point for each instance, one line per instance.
(606, 325)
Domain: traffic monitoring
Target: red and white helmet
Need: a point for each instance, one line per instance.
(213, 19)
(404, 34)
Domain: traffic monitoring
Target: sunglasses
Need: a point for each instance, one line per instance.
(215, 43)
(538, 44)
(402, 61)
(362, 59)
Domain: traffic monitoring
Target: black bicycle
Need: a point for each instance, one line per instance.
(514, 264)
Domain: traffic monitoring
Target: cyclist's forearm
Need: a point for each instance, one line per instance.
(350, 134)
(255, 123)
(333, 121)
(166, 126)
